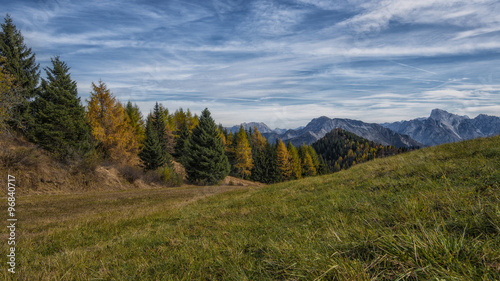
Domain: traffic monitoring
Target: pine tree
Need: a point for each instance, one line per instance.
(136, 121)
(59, 119)
(295, 161)
(283, 158)
(110, 126)
(205, 160)
(152, 155)
(20, 63)
(244, 161)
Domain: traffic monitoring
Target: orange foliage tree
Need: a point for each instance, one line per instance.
(111, 128)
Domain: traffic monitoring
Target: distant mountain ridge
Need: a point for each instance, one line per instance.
(440, 127)
(262, 127)
(444, 127)
(319, 127)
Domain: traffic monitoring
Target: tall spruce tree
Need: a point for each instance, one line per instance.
(9, 98)
(152, 155)
(205, 160)
(59, 119)
(165, 136)
(182, 136)
(20, 63)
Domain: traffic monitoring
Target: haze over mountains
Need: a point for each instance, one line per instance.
(441, 127)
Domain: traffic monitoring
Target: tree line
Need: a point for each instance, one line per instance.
(253, 157)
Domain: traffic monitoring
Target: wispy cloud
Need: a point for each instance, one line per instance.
(280, 62)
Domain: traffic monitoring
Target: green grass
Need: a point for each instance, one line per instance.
(431, 214)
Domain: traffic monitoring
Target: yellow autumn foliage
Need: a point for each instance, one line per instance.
(111, 127)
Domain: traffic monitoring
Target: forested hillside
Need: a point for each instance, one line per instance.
(342, 149)
(105, 131)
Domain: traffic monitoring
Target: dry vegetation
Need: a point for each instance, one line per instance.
(38, 173)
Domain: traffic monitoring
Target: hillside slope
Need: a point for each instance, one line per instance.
(427, 215)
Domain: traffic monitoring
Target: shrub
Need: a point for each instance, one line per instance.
(131, 173)
(23, 156)
(170, 176)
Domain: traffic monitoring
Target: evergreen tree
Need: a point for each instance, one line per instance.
(9, 97)
(295, 161)
(273, 173)
(182, 136)
(265, 168)
(110, 126)
(244, 161)
(20, 63)
(152, 155)
(59, 119)
(283, 158)
(165, 136)
(323, 166)
(205, 160)
(136, 121)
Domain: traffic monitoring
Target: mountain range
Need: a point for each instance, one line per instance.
(444, 127)
(319, 127)
(440, 127)
(262, 127)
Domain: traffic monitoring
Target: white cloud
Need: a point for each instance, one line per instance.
(269, 18)
(378, 14)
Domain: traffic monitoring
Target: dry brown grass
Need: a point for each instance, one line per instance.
(38, 173)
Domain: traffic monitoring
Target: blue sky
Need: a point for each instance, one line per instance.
(278, 62)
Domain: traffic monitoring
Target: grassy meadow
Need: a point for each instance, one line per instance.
(432, 214)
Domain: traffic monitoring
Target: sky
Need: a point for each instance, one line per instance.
(278, 62)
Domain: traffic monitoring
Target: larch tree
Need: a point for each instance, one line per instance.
(136, 121)
(259, 142)
(314, 156)
(20, 63)
(110, 126)
(243, 153)
(308, 168)
(295, 161)
(205, 159)
(59, 123)
(283, 159)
